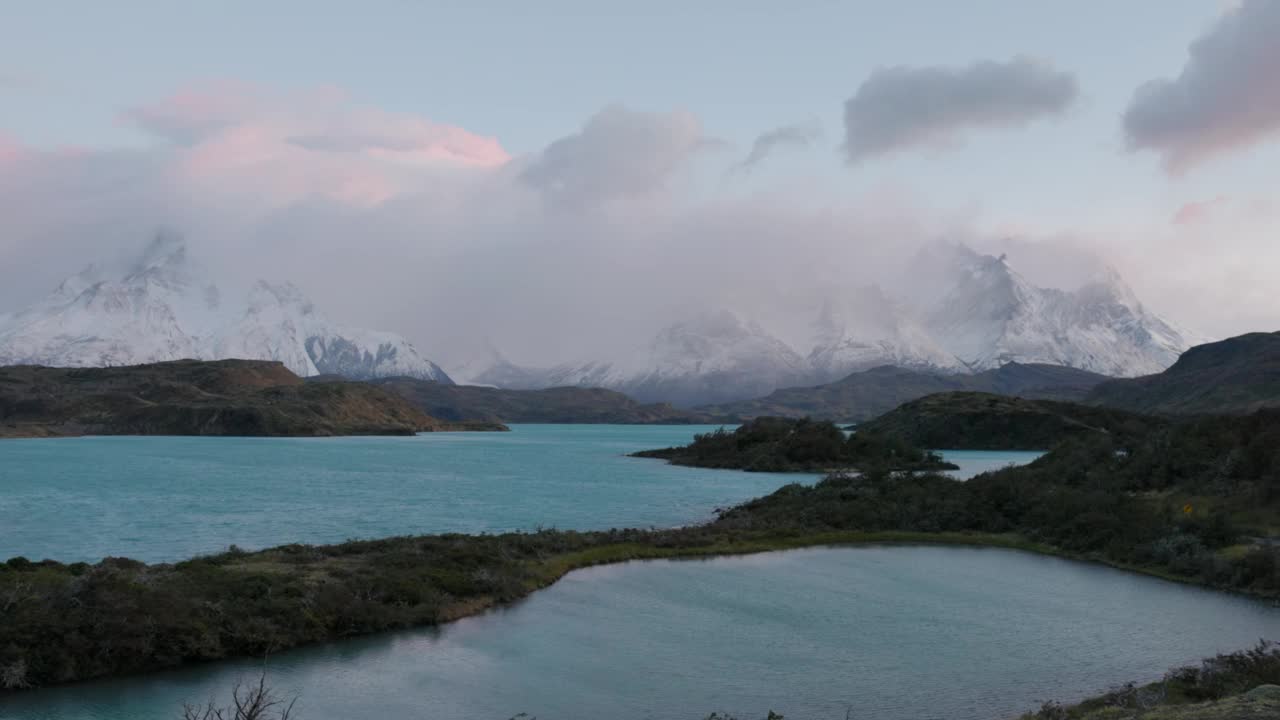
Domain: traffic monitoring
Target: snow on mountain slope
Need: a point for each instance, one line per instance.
(965, 312)
(165, 308)
(991, 315)
(710, 357)
(92, 320)
(872, 330)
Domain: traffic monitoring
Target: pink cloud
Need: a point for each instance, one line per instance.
(402, 138)
(253, 163)
(9, 149)
(434, 144)
(323, 119)
(1224, 99)
(1197, 211)
(281, 148)
(240, 147)
(194, 113)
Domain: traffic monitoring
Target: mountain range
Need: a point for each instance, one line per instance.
(163, 306)
(866, 394)
(966, 313)
(970, 313)
(710, 357)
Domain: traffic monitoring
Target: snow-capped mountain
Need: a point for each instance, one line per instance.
(164, 307)
(991, 315)
(965, 312)
(869, 330)
(712, 357)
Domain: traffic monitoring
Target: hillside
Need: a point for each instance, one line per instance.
(984, 421)
(191, 397)
(864, 395)
(553, 405)
(1236, 375)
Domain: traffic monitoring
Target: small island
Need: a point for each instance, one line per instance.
(774, 444)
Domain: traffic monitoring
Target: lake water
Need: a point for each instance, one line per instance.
(168, 498)
(893, 632)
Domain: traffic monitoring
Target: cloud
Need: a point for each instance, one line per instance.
(196, 113)
(581, 250)
(901, 107)
(9, 149)
(619, 152)
(1225, 98)
(320, 120)
(255, 148)
(1196, 212)
(786, 136)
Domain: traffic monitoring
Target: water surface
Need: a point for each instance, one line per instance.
(895, 633)
(976, 462)
(169, 498)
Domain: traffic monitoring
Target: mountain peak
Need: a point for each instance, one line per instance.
(163, 261)
(992, 314)
(72, 287)
(164, 307)
(721, 323)
(967, 312)
(166, 249)
(286, 294)
(1109, 286)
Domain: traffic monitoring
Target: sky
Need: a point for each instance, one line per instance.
(467, 171)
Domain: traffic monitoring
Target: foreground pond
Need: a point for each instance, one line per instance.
(894, 633)
(169, 498)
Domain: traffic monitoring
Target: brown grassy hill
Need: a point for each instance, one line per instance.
(190, 397)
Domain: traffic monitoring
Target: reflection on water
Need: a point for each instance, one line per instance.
(895, 633)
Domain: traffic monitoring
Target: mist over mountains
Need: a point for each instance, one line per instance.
(966, 312)
(978, 313)
(163, 306)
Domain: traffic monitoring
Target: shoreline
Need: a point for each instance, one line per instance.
(612, 555)
(31, 431)
(72, 622)
(551, 570)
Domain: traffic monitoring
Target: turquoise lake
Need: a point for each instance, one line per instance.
(892, 632)
(169, 498)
